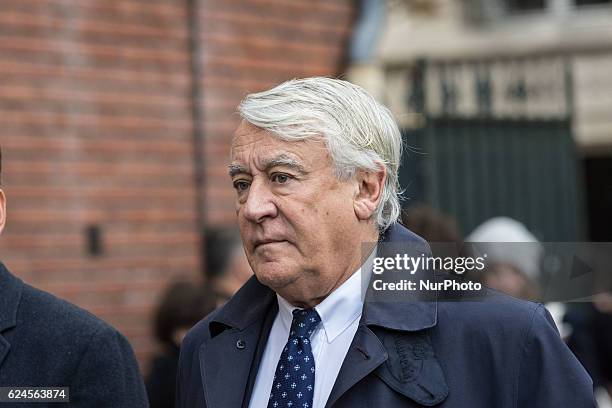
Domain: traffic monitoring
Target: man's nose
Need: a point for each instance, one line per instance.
(259, 203)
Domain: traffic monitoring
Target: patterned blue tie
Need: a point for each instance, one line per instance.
(294, 380)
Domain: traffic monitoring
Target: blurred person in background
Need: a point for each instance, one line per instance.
(227, 265)
(514, 266)
(513, 257)
(441, 231)
(314, 164)
(591, 341)
(602, 324)
(182, 305)
(431, 224)
(48, 342)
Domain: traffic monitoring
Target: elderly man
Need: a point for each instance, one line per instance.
(47, 342)
(314, 164)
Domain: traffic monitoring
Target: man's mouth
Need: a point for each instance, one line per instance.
(262, 242)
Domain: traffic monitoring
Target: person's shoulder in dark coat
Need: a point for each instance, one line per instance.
(48, 342)
(512, 345)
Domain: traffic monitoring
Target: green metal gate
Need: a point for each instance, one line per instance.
(486, 162)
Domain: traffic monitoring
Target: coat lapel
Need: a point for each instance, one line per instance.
(10, 296)
(261, 345)
(412, 368)
(225, 365)
(227, 358)
(405, 361)
(4, 348)
(390, 339)
(365, 354)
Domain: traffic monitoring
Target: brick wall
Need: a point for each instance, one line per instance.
(251, 45)
(96, 128)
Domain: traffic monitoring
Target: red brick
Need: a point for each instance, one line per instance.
(96, 129)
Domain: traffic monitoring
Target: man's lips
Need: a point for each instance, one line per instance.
(261, 242)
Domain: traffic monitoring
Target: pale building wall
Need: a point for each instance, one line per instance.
(446, 32)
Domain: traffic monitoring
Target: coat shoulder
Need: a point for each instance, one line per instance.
(50, 325)
(55, 342)
(55, 318)
(199, 333)
(494, 318)
(491, 304)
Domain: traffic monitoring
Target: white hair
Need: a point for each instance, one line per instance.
(359, 132)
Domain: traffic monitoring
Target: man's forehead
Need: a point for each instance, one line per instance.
(259, 141)
(253, 146)
(265, 149)
(251, 142)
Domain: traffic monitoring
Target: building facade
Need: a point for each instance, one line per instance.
(521, 65)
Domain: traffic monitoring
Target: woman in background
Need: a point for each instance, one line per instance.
(182, 306)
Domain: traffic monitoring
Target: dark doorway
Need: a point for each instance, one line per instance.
(598, 175)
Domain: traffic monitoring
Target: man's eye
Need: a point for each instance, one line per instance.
(280, 178)
(241, 185)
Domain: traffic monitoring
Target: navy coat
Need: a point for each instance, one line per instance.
(47, 342)
(496, 352)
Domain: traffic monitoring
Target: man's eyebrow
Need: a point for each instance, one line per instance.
(284, 161)
(280, 160)
(235, 168)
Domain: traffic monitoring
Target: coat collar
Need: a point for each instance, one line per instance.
(408, 313)
(253, 300)
(388, 332)
(247, 306)
(237, 332)
(10, 296)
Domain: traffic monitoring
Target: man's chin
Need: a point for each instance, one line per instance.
(274, 275)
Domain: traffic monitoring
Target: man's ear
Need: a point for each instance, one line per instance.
(2, 210)
(368, 192)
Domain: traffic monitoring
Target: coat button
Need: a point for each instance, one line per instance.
(240, 344)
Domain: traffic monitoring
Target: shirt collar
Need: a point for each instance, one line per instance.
(340, 308)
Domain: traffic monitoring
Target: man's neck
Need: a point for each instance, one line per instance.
(366, 251)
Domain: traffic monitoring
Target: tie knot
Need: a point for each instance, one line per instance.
(304, 322)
